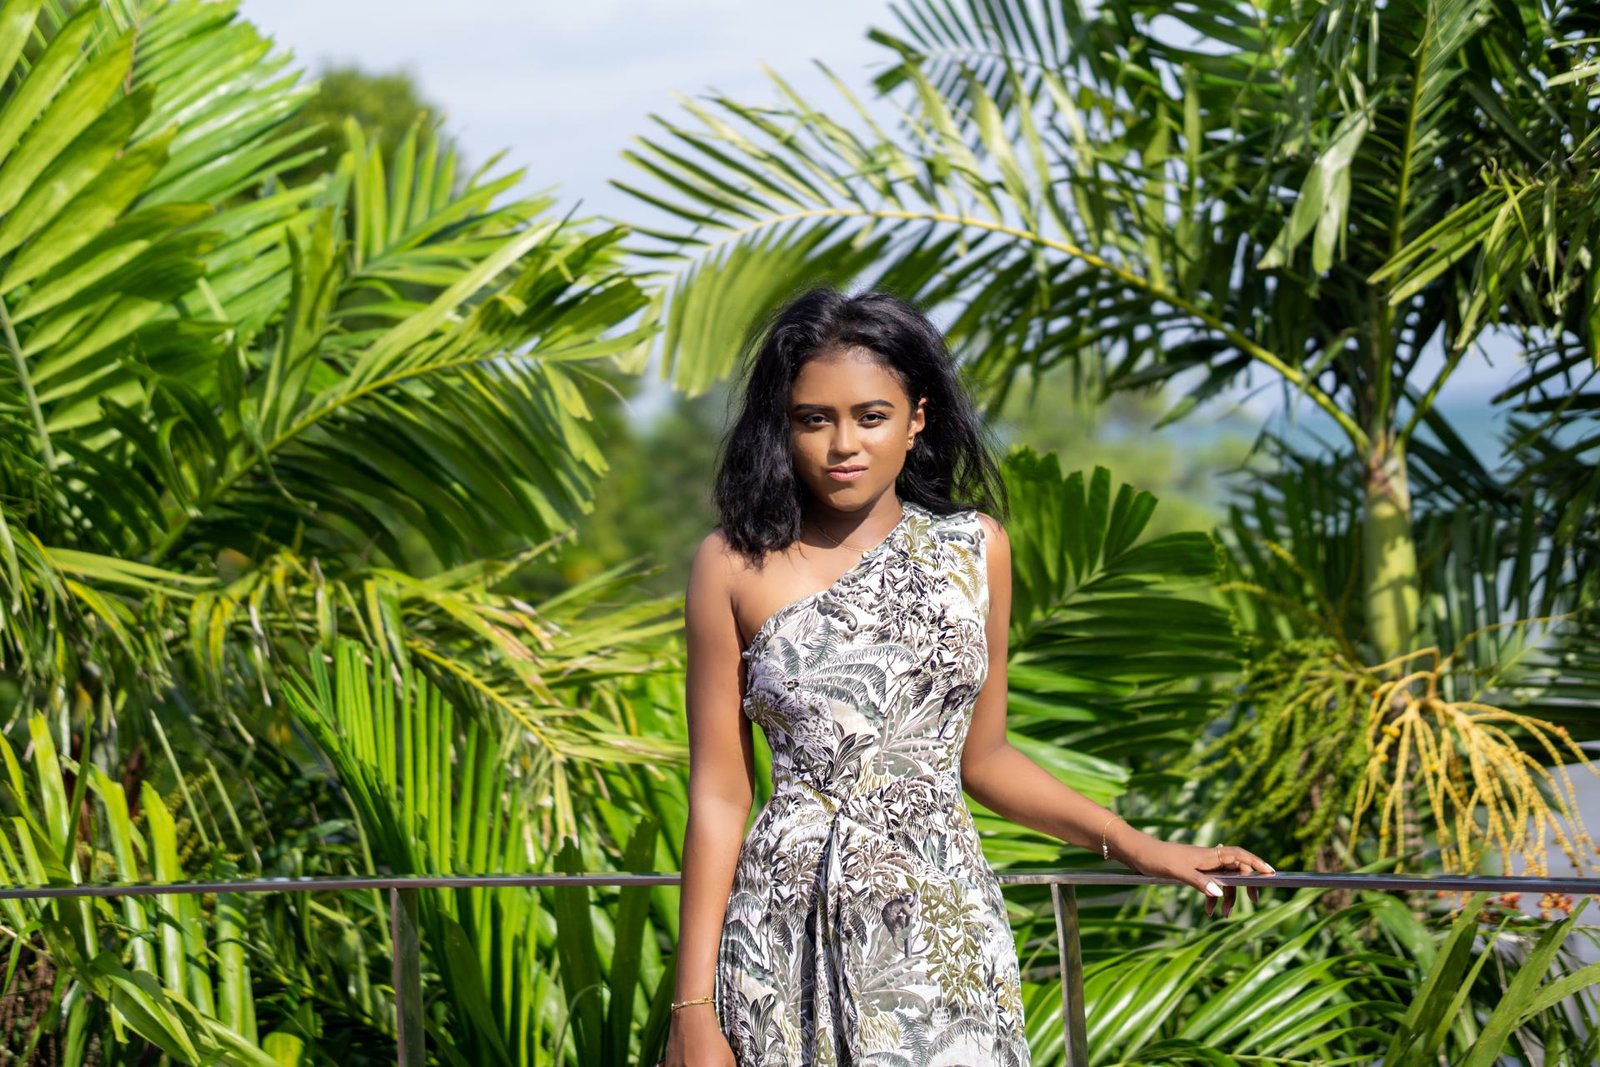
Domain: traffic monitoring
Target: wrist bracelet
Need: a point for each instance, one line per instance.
(1105, 849)
(697, 1000)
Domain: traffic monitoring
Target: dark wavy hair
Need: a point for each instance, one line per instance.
(952, 465)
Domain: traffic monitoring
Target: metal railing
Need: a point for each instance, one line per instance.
(407, 968)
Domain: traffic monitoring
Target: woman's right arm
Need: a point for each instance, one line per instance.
(721, 791)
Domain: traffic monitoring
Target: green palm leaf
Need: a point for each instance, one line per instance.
(1107, 642)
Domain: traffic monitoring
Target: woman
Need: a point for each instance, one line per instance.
(854, 601)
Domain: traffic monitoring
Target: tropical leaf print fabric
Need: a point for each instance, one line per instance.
(864, 927)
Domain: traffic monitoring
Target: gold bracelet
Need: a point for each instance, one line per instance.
(697, 1000)
(1105, 849)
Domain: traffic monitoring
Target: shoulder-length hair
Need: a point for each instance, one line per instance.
(951, 467)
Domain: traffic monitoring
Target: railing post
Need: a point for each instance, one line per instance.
(1074, 1033)
(407, 976)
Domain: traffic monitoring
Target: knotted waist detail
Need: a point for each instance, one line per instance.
(898, 805)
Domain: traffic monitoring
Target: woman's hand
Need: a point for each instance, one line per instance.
(1194, 865)
(695, 1039)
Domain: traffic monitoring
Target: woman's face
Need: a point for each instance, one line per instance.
(846, 410)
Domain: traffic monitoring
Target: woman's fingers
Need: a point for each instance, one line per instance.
(1211, 890)
(1238, 858)
(1247, 869)
(1250, 863)
(1256, 863)
(1232, 861)
(1242, 865)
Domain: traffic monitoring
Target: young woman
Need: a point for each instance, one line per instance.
(854, 601)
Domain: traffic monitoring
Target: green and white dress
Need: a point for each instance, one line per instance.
(864, 927)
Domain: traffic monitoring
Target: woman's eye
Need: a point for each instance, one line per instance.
(810, 420)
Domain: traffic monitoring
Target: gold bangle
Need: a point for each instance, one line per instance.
(1105, 849)
(697, 1000)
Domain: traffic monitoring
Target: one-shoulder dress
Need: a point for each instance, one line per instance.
(865, 928)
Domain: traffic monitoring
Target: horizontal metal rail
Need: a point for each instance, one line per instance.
(407, 969)
(1283, 879)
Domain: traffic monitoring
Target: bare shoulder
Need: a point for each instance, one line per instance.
(719, 568)
(715, 560)
(713, 580)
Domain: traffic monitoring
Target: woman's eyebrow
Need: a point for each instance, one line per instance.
(853, 407)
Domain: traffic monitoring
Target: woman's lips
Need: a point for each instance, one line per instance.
(847, 476)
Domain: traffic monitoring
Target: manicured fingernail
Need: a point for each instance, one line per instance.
(1214, 889)
(1271, 869)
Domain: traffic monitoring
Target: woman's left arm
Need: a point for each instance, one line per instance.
(1005, 781)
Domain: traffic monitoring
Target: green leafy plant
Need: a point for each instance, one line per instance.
(434, 791)
(170, 969)
(1435, 1024)
(1292, 983)
(608, 1039)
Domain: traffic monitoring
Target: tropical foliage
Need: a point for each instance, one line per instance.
(173, 508)
(1285, 986)
(294, 418)
(1340, 196)
(243, 418)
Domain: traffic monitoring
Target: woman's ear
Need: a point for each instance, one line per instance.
(919, 418)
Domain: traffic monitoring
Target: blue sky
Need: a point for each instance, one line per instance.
(563, 87)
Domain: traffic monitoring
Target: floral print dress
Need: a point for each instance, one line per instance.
(864, 927)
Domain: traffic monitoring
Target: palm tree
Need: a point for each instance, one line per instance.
(1351, 198)
(235, 422)
(241, 419)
